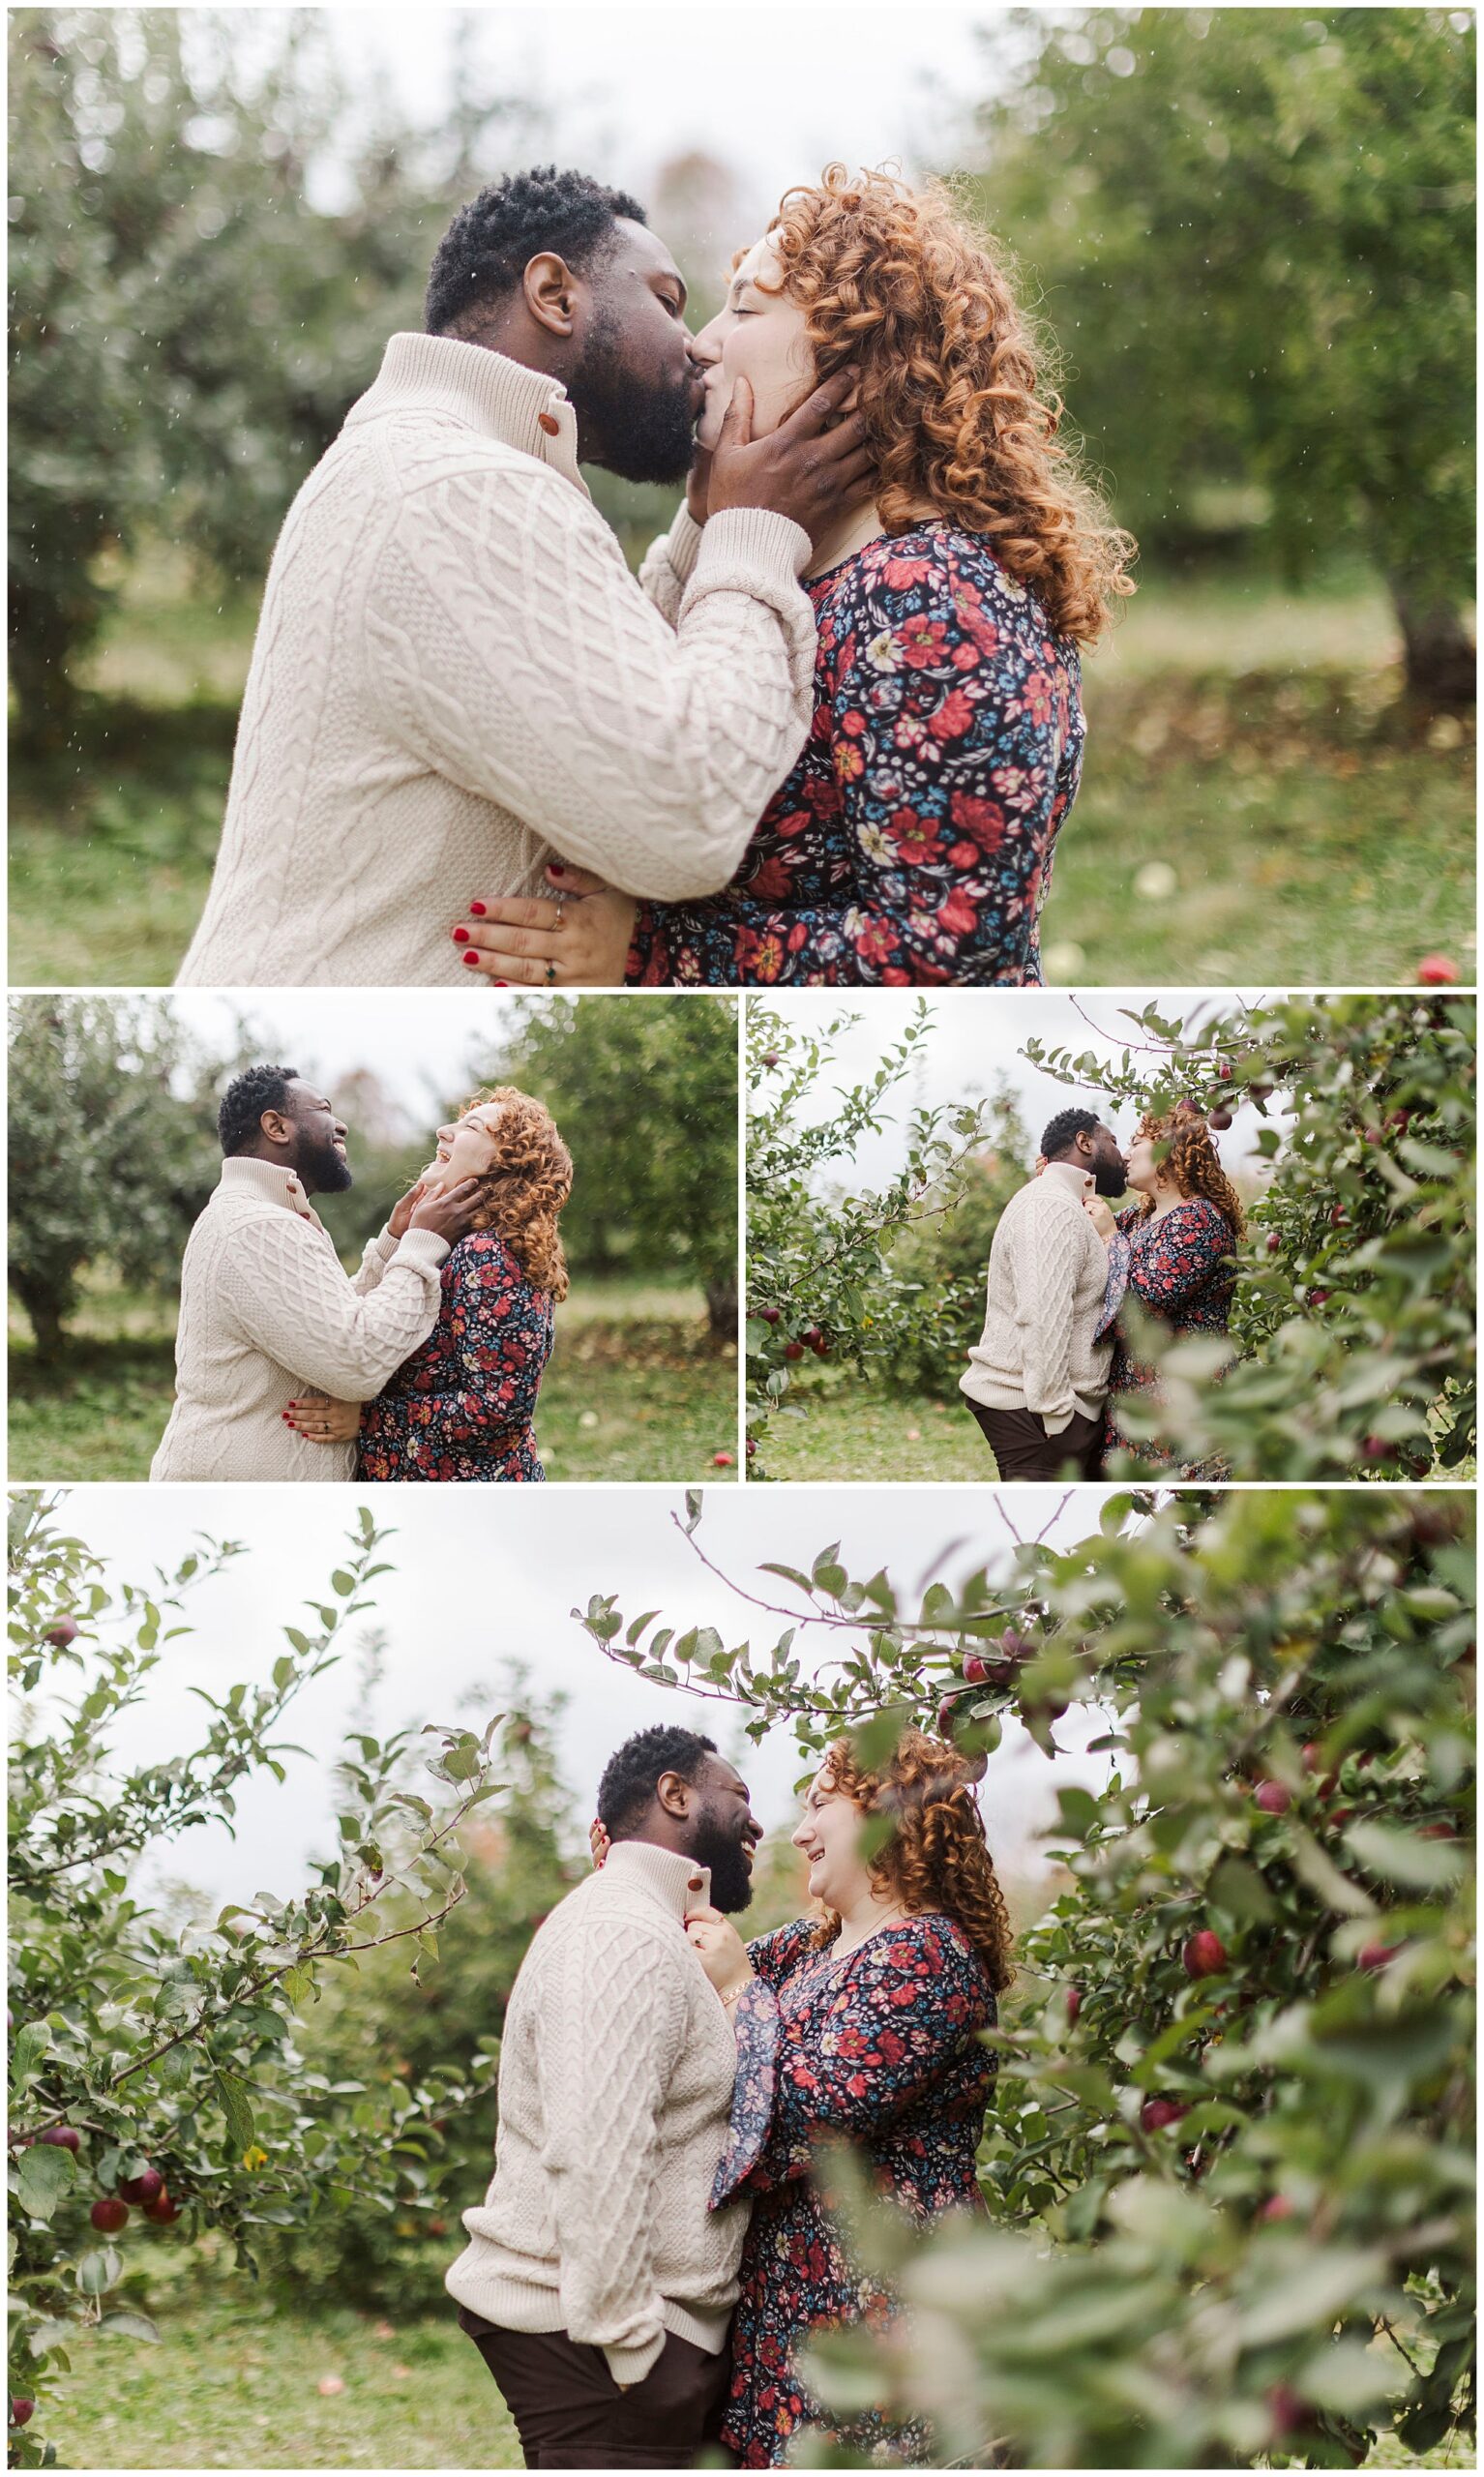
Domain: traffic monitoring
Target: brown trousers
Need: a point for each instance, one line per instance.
(569, 2414)
(1024, 1450)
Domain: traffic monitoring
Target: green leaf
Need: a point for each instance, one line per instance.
(44, 2173)
(237, 2108)
(128, 2326)
(29, 2045)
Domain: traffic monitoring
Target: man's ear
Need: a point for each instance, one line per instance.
(276, 1127)
(672, 1793)
(549, 289)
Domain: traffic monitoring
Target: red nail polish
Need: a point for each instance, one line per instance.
(460, 937)
(478, 909)
(472, 958)
(556, 869)
(499, 984)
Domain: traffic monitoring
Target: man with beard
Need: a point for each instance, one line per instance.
(264, 1305)
(598, 2283)
(456, 676)
(1037, 1380)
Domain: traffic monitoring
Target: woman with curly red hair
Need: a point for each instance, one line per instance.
(1174, 1253)
(913, 840)
(860, 2025)
(461, 1407)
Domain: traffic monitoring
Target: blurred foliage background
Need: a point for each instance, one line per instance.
(1248, 233)
(113, 1153)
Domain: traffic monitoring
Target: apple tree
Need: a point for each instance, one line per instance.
(1353, 1319)
(1228, 2166)
(157, 2087)
(820, 1278)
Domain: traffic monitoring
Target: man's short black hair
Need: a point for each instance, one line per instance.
(631, 1776)
(255, 1089)
(486, 248)
(1057, 1137)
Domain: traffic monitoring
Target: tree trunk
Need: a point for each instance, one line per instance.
(1442, 659)
(45, 1311)
(722, 1309)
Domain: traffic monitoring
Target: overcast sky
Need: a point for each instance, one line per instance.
(477, 1584)
(775, 92)
(978, 1038)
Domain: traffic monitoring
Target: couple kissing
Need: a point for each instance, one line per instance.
(654, 2248)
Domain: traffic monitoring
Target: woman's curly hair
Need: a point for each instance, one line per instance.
(1192, 1163)
(898, 283)
(527, 1185)
(934, 1856)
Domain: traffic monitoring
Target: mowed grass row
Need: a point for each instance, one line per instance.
(244, 2386)
(248, 2387)
(1245, 743)
(633, 1390)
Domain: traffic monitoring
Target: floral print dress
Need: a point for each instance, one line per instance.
(460, 1407)
(913, 840)
(1179, 1265)
(878, 2049)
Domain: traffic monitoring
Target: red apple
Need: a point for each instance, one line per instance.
(947, 1711)
(61, 2137)
(1433, 969)
(1338, 1216)
(1261, 1091)
(1203, 1954)
(1272, 1796)
(1374, 1449)
(23, 2411)
(63, 1632)
(162, 2211)
(1220, 1120)
(146, 2187)
(1156, 2113)
(975, 1672)
(109, 2215)
(723, 1461)
(1223, 1071)
(771, 1058)
(793, 1349)
(1277, 2207)
(1274, 1243)
(1375, 1957)
(1074, 2005)
(1438, 1831)
(1318, 1297)
(751, 1449)
(1288, 2410)
(769, 1315)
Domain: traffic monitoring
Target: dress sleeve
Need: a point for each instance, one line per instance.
(950, 726)
(908, 2005)
(1180, 1254)
(776, 1956)
(494, 1327)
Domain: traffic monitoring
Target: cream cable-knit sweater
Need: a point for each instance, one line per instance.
(1043, 1305)
(266, 1309)
(456, 676)
(615, 2095)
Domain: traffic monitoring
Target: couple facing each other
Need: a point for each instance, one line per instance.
(828, 736)
(1056, 1358)
(653, 2248)
(427, 1363)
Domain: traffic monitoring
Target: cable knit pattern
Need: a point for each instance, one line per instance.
(456, 677)
(1041, 1348)
(615, 2088)
(265, 1310)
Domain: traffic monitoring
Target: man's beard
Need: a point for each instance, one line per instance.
(714, 1846)
(322, 1171)
(646, 434)
(1110, 1179)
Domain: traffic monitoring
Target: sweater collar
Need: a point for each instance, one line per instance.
(487, 391)
(677, 1883)
(244, 1176)
(1078, 1181)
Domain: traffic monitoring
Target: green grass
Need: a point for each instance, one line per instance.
(1248, 738)
(851, 1431)
(633, 1390)
(240, 2388)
